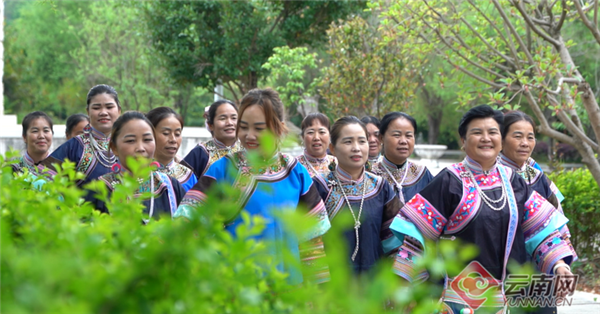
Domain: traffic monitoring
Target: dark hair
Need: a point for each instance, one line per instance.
(103, 89)
(74, 120)
(391, 117)
(212, 111)
(158, 114)
(272, 106)
(122, 120)
(336, 129)
(370, 119)
(513, 117)
(479, 112)
(308, 121)
(34, 116)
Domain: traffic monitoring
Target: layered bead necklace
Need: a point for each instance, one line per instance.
(486, 199)
(356, 219)
(105, 157)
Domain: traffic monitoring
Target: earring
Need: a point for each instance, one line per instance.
(155, 165)
(116, 168)
(462, 148)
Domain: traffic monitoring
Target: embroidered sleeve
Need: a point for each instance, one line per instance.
(541, 224)
(389, 242)
(312, 250)
(423, 217)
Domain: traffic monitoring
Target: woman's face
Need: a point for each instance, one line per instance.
(316, 139)
(374, 143)
(224, 123)
(251, 124)
(168, 139)
(103, 112)
(519, 142)
(352, 148)
(134, 140)
(38, 137)
(483, 141)
(399, 140)
(77, 129)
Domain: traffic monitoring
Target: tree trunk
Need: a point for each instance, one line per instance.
(434, 120)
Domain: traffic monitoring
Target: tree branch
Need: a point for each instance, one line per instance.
(513, 31)
(563, 15)
(462, 69)
(544, 126)
(562, 115)
(478, 34)
(591, 106)
(531, 24)
(591, 26)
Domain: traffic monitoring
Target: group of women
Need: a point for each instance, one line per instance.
(496, 198)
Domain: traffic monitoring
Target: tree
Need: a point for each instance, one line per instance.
(369, 72)
(515, 51)
(288, 68)
(211, 42)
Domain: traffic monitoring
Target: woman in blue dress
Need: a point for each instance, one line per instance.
(221, 120)
(90, 151)
(168, 125)
(37, 134)
(281, 184)
(133, 137)
(369, 199)
(482, 202)
(316, 139)
(397, 133)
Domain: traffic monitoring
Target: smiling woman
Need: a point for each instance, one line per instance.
(221, 120)
(90, 151)
(482, 202)
(37, 134)
(269, 189)
(316, 138)
(133, 137)
(350, 190)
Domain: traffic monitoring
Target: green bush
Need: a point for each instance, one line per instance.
(582, 206)
(59, 255)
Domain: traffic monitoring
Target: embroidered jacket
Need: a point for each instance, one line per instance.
(167, 193)
(451, 206)
(205, 154)
(411, 177)
(316, 166)
(181, 171)
(267, 191)
(380, 206)
(80, 150)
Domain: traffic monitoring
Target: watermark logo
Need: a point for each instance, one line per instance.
(539, 290)
(475, 285)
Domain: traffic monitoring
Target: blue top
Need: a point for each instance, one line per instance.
(266, 192)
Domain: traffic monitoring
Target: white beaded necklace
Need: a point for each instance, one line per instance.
(398, 185)
(486, 199)
(101, 154)
(356, 219)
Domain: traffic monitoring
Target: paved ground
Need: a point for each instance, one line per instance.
(583, 303)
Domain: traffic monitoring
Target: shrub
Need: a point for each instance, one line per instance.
(59, 255)
(582, 207)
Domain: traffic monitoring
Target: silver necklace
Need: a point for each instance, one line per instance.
(486, 199)
(356, 219)
(398, 185)
(151, 211)
(105, 157)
